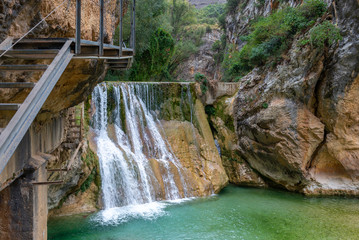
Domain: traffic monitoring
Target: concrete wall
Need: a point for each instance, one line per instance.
(45, 138)
(23, 205)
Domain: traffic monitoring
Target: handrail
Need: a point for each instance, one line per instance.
(25, 115)
(101, 25)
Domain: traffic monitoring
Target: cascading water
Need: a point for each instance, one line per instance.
(136, 162)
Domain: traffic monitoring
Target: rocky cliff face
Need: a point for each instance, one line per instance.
(202, 61)
(297, 123)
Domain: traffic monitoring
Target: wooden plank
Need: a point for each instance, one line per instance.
(100, 57)
(9, 106)
(74, 132)
(57, 170)
(31, 53)
(37, 67)
(116, 61)
(48, 183)
(17, 84)
(38, 41)
(118, 64)
(23, 118)
(73, 156)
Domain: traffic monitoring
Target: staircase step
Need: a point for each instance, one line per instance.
(73, 138)
(118, 64)
(118, 68)
(23, 67)
(9, 106)
(69, 145)
(17, 85)
(109, 61)
(73, 132)
(48, 183)
(31, 53)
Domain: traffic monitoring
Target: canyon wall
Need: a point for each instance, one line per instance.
(297, 123)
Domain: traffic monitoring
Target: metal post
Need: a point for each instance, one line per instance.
(78, 27)
(134, 26)
(102, 8)
(121, 37)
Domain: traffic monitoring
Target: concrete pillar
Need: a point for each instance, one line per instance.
(23, 205)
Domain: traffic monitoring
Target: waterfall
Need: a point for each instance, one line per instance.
(137, 164)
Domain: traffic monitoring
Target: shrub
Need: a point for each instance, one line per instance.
(270, 36)
(218, 48)
(210, 13)
(222, 21)
(154, 61)
(202, 80)
(324, 34)
(232, 5)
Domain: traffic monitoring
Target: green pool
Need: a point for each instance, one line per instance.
(236, 213)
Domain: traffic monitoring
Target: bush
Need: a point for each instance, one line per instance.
(324, 34)
(202, 80)
(153, 63)
(232, 5)
(210, 13)
(222, 21)
(271, 36)
(218, 48)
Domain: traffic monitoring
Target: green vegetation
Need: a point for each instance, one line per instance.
(168, 32)
(155, 60)
(272, 35)
(232, 5)
(91, 161)
(324, 34)
(88, 181)
(210, 14)
(202, 80)
(218, 48)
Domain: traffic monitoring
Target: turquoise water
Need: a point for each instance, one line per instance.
(236, 213)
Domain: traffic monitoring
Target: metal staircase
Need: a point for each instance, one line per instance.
(50, 56)
(59, 51)
(26, 112)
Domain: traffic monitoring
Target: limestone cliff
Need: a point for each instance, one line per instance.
(202, 61)
(297, 123)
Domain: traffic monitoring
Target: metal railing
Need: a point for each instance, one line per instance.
(101, 25)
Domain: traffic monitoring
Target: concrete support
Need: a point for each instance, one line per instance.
(24, 206)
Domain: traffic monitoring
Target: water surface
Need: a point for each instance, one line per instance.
(236, 213)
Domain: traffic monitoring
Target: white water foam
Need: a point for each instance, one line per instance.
(128, 182)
